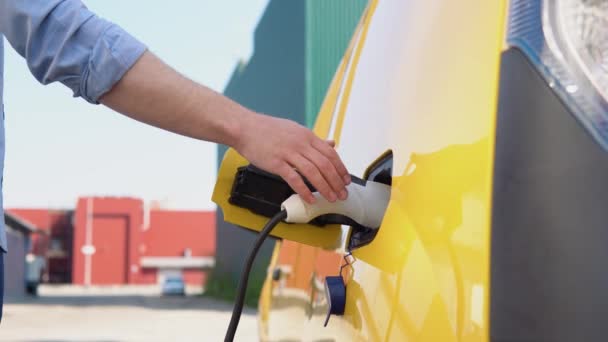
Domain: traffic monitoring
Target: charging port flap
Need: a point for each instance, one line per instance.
(248, 201)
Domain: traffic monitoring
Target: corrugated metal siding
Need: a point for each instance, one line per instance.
(271, 82)
(329, 28)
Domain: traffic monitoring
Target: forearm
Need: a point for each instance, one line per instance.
(153, 93)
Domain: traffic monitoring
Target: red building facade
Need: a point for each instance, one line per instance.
(179, 240)
(114, 241)
(107, 234)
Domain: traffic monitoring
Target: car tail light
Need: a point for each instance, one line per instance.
(567, 40)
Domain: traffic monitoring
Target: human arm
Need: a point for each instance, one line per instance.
(154, 93)
(63, 41)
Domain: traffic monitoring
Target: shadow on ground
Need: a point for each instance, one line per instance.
(148, 302)
(55, 340)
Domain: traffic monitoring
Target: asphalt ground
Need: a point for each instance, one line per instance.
(74, 316)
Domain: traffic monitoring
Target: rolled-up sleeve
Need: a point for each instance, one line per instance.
(63, 41)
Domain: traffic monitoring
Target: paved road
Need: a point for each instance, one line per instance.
(112, 318)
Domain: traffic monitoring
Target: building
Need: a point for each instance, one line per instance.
(117, 241)
(54, 243)
(179, 242)
(18, 236)
(297, 48)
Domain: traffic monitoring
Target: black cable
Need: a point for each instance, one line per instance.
(240, 295)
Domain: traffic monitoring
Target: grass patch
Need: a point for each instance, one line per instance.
(223, 285)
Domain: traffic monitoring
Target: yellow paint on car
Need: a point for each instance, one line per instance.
(423, 84)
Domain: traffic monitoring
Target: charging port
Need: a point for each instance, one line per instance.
(380, 171)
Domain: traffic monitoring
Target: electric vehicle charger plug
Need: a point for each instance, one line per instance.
(366, 203)
(265, 194)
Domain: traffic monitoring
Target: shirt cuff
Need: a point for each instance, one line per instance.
(115, 52)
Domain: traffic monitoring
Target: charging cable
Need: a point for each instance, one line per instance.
(242, 289)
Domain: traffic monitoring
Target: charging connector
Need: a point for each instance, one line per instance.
(365, 206)
(266, 194)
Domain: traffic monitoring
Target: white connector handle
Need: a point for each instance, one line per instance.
(365, 205)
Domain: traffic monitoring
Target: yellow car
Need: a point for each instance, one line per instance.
(489, 119)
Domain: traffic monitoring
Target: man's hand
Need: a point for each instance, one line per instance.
(282, 146)
(154, 93)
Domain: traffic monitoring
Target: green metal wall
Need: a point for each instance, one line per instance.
(270, 82)
(329, 28)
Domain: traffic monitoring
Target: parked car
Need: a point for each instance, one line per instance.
(489, 119)
(174, 285)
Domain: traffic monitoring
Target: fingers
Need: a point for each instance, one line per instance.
(331, 143)
(314, 176)
(282, 146)
(296, 182)
(328, 151)
(328, 171)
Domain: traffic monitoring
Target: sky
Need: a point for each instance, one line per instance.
(59, 148)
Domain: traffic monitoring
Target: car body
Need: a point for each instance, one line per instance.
(496, 228)
(173, 286)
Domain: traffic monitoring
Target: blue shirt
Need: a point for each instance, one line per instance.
(63, 41)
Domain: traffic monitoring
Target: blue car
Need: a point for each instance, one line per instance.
(174, 285)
